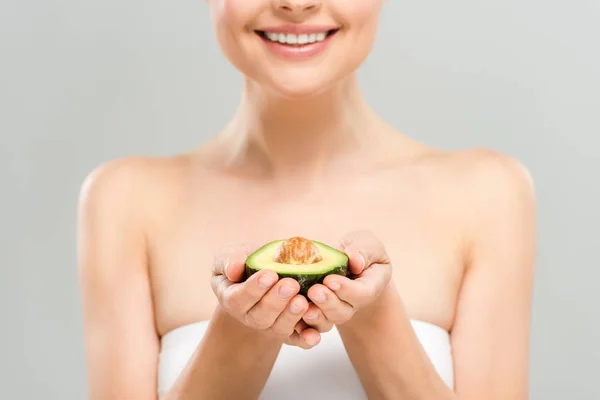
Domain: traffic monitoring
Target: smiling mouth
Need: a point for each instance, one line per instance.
(293, 39)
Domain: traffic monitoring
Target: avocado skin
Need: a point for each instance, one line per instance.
(305, 280)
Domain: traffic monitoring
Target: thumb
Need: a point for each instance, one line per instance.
(230, 261)
(363, 249)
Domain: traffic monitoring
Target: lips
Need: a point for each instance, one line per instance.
(297, 42)
(296, 39)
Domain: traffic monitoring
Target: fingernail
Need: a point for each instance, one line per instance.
(266, 281)
(311, 340)
(320, 297)
(311, 314)
(295, 308)
(225, 269)
(285, 291)
(334, 286)
(363, 260)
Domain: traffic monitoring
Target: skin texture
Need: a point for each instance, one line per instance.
(447, 237)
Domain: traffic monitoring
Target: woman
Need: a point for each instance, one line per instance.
(441, 244)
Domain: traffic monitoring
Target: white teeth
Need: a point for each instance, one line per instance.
(303, 39)
(291, 38)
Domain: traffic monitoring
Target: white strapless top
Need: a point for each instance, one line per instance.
(323, 372)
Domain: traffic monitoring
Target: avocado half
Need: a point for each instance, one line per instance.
(306, 261)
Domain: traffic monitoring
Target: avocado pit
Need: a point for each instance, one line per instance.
(306, 261)
(297, 251)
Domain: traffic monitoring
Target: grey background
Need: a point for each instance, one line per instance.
(82, 82)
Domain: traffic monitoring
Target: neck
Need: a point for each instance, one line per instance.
(290, 136)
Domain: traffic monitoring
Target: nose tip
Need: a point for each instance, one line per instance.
(297, 6)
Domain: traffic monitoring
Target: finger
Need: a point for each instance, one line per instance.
(362, 290)
(300, 326)
(230, 261)
(311, 337)
(308, 339)
(357, 262)
(363, 249)
(264, 313)
(220, 284)
(286, 322)
(314, 318)
(333, 308)
(234, 268)
(242, 297)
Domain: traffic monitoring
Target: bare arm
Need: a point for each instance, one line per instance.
(387, 355)
(232, 362)
(120, 337)
(490, 337)
(122, 345)
(245, 333)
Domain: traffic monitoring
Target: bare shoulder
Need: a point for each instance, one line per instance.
(494, 182)
(130, 185)
(490, 193)
(481, 177)
(500, 168)
(129, 174)
(496, 201)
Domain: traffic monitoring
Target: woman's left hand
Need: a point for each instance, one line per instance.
(339, 297)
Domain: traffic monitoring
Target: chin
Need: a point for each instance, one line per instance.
(298, 88)
(303, 77)
(303, 81)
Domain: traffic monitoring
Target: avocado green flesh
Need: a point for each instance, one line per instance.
(307, 275)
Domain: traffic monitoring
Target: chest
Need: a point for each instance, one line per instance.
(422, 240)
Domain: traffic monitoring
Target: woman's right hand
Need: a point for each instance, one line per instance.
(263, 301)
